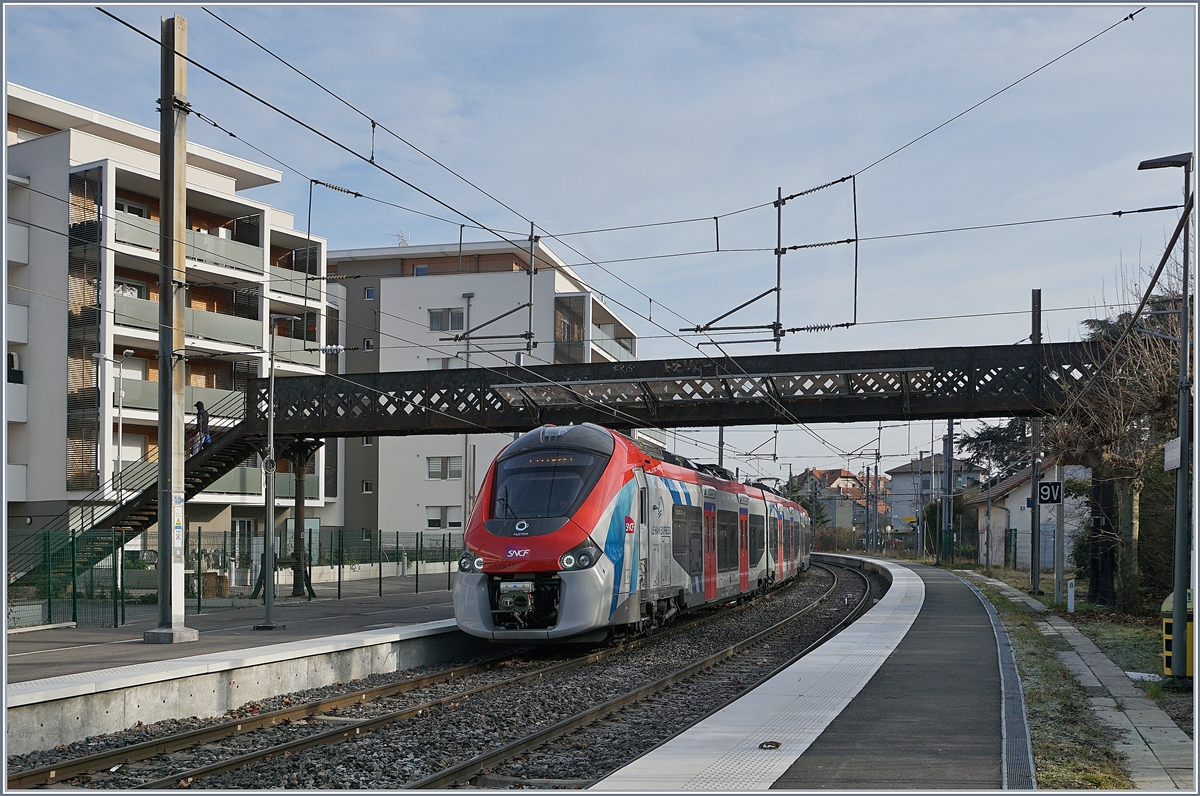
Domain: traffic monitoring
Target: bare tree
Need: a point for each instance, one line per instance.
(1123, 417)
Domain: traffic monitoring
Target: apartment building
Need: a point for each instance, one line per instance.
(404, 308)
(921, 480)
(82, 313)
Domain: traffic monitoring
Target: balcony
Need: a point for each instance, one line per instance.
(16, 243)
(239, 481)
(141, 394)
(14, 482)
(292, 350)
(201, 247)
(294, 283)
(16, 323)
(619, 348)
(16, 398)
(143, 314)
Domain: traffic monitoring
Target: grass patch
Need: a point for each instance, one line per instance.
(1071, 749)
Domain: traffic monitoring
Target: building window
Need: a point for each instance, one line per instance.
(368, 442)
(368, 344)
(368, 487)
(444, 468)
(443, 517)
(446, 320)
(128, 287)
(368, 534)
(420, 270)
(368, 294)
(133, 208)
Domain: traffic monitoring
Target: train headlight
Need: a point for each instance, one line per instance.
(582, 557)
(470, 562)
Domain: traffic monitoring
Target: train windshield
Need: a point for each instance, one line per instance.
(545, 483)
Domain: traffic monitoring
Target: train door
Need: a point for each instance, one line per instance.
(666, 554)
(781, 565)
(743, 548)
(642, 544)
(710, 550)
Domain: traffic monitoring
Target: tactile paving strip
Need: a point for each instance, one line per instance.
(792, 709)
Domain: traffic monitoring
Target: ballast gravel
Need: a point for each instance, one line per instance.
(414, 748)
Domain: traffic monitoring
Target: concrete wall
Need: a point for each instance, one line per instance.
(43, 714)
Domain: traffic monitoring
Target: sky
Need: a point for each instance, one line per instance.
(590, 117)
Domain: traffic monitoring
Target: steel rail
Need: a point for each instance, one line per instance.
(99, 761)
(140, 751)
(859, 609)
(477, 765)
(349, 731)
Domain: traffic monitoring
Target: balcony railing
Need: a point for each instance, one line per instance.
(619, 348)
(143, 314)
(201, 247)
(289, 349)
(295, 283)
(142, 394)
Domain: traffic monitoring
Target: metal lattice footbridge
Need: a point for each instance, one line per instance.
(845, 387)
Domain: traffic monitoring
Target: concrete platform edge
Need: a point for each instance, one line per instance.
(42, 714)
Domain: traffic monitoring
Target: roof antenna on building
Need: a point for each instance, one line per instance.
(401, 238)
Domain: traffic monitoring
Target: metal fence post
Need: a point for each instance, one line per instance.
(74, 582)
(379, 538)
(445, 550)
(420, 547)
(199, 568)
(121, 583)
(341, 558)
(116, 616)
(49, 564)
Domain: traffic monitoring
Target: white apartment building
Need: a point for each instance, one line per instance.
(403, 304)
(83, 269)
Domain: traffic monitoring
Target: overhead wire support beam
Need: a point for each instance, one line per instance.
(706, 327)
(460, 337)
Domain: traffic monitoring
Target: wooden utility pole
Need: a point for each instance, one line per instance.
(172, 162)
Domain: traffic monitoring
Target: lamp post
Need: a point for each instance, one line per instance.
(128, 352)
(987, 556)
(1179, 638)
(268, 465)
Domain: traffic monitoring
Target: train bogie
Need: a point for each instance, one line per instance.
(580, 531)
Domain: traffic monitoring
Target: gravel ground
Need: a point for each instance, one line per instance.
(593, 752)
(417, 747)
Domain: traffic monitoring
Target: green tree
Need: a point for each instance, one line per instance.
(998, 448)
(819, 515)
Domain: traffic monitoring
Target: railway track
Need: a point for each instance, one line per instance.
(197, 758)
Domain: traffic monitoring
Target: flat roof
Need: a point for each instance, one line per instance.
(64, 115)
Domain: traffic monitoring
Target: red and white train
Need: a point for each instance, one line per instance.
(579, 533)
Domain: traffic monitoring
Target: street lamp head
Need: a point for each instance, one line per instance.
(1182, 160)
(128, 352)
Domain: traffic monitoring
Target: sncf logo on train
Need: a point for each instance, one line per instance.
(630, 527)
(516, 552)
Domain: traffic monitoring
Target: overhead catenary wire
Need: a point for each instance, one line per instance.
(372, 158)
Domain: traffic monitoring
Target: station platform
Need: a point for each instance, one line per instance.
(920, 693)
(65, 684)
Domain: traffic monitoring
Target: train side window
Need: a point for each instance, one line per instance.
(758, 527)
(727, 528)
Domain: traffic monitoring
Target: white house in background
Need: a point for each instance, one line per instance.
(1011, 516)
(83, 272)
(403, 304)
(917, 483)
